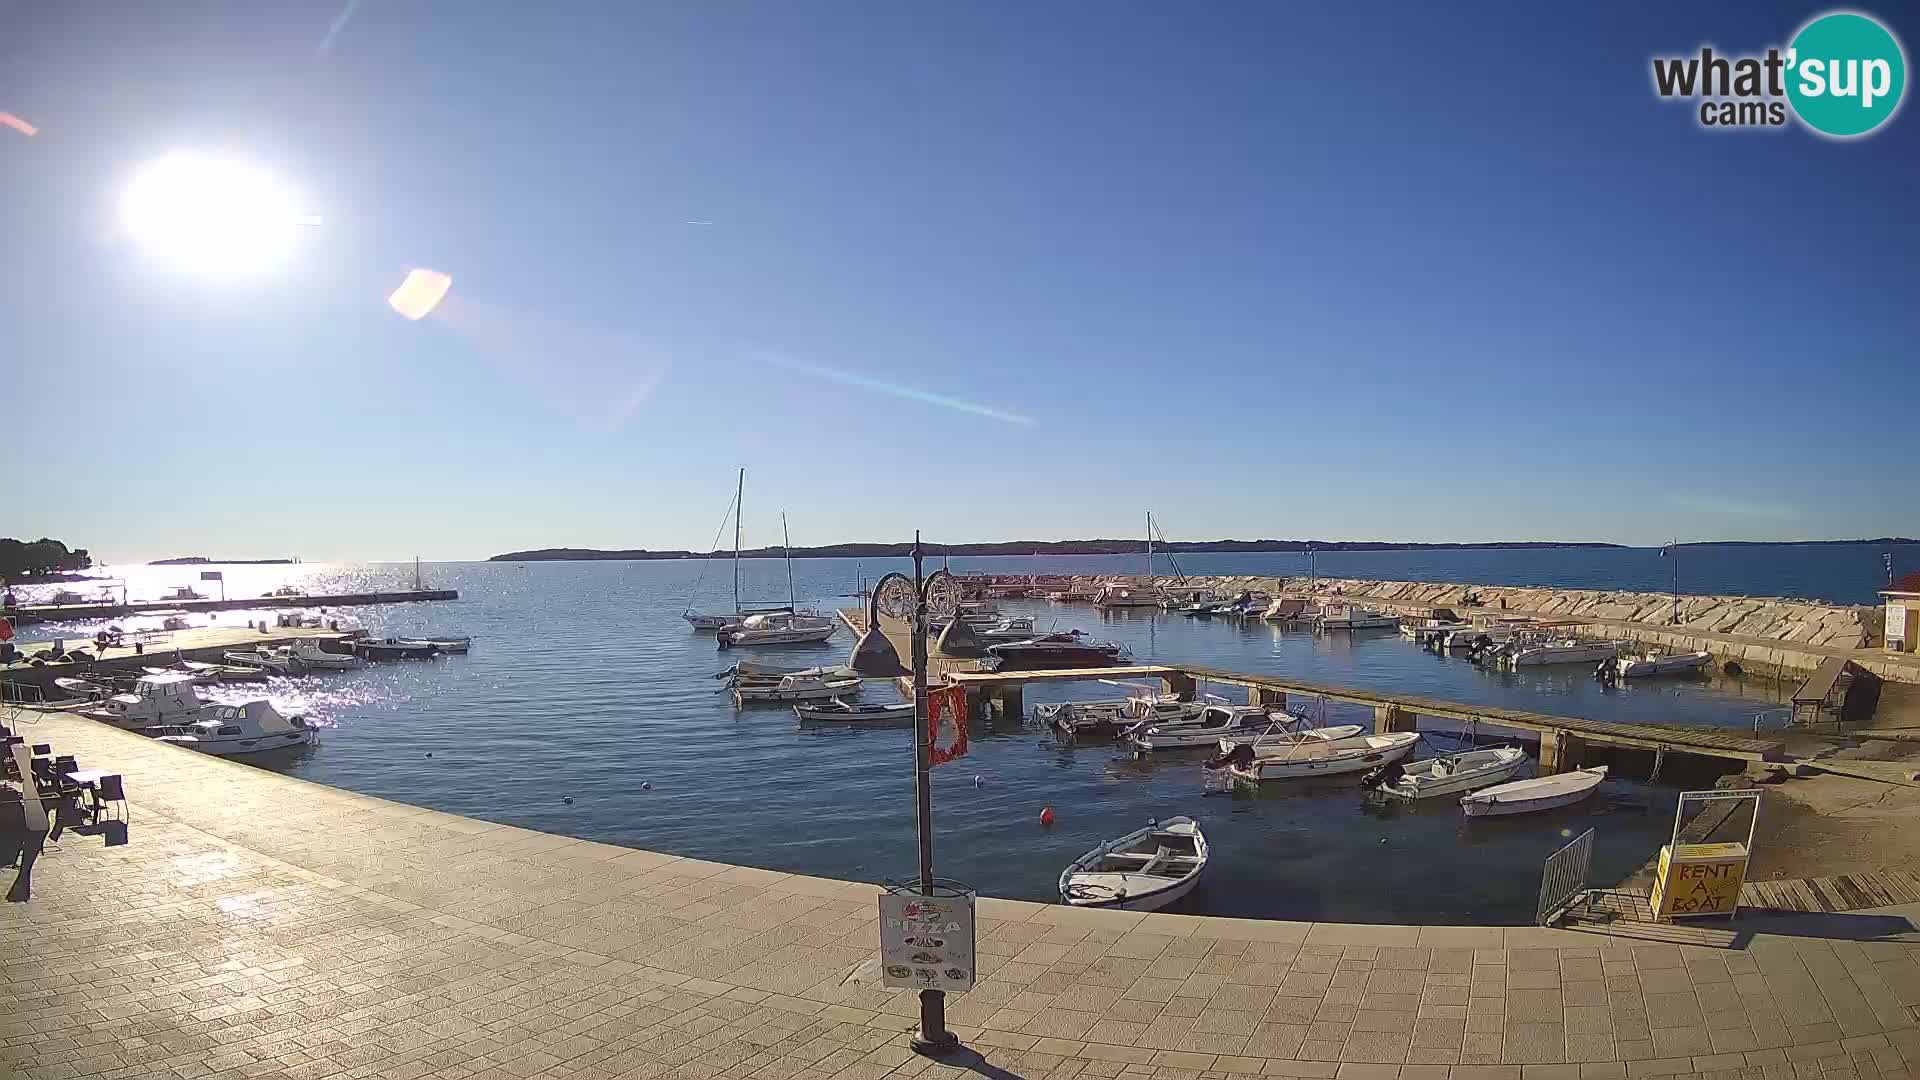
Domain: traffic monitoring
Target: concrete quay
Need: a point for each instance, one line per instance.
(27, 614)
(205, 643)
(259, 925)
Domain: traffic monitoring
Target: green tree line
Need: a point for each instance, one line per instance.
(43, 556)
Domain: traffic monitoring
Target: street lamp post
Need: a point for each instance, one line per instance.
(874, 657)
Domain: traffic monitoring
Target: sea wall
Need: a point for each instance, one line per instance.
(1797, 622)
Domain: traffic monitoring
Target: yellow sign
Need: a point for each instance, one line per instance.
(1699, 879)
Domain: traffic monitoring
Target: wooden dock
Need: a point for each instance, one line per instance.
(1562, 738)
(28, 614)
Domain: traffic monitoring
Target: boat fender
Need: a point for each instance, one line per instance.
(979, 781)
(646, 786)
(568, 800)
(1046, 816)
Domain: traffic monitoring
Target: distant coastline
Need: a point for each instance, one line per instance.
(202, 560)
(1021, 547)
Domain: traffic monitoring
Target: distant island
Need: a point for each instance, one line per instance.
(1021, 547)
(202, 560)
(1884, 540)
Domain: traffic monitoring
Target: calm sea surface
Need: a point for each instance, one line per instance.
(584, 683)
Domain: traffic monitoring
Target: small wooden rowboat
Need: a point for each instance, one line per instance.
(1531, 796)
(1145, 870)
(842, 712)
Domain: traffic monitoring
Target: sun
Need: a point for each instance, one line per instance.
(211, 214)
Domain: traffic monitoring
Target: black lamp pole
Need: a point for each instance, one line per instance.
(874, 657)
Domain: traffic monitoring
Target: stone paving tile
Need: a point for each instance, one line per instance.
(280, 928)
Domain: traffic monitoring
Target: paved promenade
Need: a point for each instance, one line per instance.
(262, 926)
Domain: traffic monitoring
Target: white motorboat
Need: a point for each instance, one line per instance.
(1145, 870)
(750, 670)
(167, 698)
(1123, 594)
(251, 728)
(837, 711)
(1448, 774)
(457, 644)
(1426, 628)
(784, 628)
(183, 593)
(1628, 667)
(1561, 651)
(795, 688)
(1012, 628)
(1204, 728)
(1110, 716)
(1321, 757)
(1539, 793)
(1286, 728)
(205, 673)
(279, 660)
(1348, 617)
(85, 688)
(309, 654)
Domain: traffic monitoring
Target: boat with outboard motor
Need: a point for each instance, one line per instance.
(1447, 774)
(1205, 727)
(1307, 757)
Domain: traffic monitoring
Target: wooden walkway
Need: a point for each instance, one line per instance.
(1842, 892)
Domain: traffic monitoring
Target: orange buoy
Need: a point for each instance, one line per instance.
(1046, 816)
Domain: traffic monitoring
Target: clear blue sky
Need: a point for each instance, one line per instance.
(1408, 271)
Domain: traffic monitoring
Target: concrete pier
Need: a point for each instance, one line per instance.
(259, 925)
(28, 614)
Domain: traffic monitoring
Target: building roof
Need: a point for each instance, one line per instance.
(1907, 584)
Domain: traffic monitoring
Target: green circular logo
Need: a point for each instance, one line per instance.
(1846, 74)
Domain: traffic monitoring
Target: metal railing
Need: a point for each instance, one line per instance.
(1563, 878)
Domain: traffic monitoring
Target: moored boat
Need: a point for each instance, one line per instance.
(1532, 796)
(309, 654)
(1629, 667)
(837, 711)
(795, 688)
(393, 649)
(167, 698)
(455, 644)
(1348, 617)
(1558, 651)
(1205, 727)
(1066, 650)
(1145, 870)
(279, 660)
(1448, 774)
(1321, 757)
(784, 628)
(250, 728)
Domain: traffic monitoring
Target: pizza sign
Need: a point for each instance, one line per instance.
(926, 943)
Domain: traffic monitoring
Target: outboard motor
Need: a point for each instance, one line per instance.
(1383, 774)
(1241, 755)
(1607, 672)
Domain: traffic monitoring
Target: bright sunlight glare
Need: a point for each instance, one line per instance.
(211, 214)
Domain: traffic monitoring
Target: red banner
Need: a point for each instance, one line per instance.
(953, 700)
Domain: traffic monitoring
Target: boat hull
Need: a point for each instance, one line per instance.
(748, 638)
(236, 747)
(1489, 803)
(1336, 764)
(882, 714)
(1152, 901)
(1456, 784)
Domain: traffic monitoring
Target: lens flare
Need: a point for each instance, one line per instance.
(420, 293)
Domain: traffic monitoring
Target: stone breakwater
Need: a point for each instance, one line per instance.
(1796, 622)
(1771, 636)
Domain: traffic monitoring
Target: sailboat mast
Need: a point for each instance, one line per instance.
(1149, 547)
(739, 508)
(786, 542)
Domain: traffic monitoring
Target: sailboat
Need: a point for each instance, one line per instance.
(739, 614)
(1114, 594)
(786, 627)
